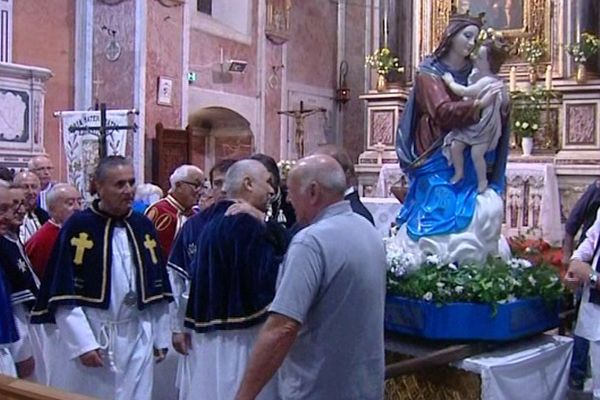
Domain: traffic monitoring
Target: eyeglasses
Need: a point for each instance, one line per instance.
(195, 185)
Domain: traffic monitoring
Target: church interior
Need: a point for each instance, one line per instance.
(199, 81)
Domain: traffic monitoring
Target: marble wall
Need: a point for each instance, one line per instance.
(116, 78)
(354, 132)
(44, 36)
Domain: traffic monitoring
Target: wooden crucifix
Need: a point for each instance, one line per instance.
(299, 116)
(103, 130)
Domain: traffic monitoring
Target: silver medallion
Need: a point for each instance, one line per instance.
(130, 299)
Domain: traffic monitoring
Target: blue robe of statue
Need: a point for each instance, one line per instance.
(433, 205)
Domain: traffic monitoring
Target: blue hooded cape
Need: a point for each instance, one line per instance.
(234, 270)
(8, 329)
(84, 279)
(433, 205)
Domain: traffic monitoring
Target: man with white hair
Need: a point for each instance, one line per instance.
(171, 212)
(35, 216)
(325, 327)
(63, 200)
(42, 166)
(232, 282)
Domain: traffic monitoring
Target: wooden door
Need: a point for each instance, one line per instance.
(173, 148)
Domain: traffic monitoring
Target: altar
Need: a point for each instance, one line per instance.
(533, 368)
(532, 204)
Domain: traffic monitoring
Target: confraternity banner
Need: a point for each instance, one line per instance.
(81, 137)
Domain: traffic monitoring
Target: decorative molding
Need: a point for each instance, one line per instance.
(6, 30)
(278, 20)
(22, 91)
(139, 88)
(84, 40)
(580, 124)
(171, 3)
(383, 125)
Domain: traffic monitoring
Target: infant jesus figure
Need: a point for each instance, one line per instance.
(482, 136)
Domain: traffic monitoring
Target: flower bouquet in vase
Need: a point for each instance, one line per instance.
(384, 62)
(532, 50)
(585, 48)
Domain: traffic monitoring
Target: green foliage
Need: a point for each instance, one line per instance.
(532, 50)
(384, 61)
(526, 110)
(585, 48)
(494, 282)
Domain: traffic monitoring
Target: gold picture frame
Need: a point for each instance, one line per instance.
(534, 14)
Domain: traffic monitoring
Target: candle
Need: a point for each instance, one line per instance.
(269, 15)
(512, 83)
(549, 77)
(385, 24)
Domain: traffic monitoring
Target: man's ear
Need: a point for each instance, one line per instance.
(313, 190)
(248, 183)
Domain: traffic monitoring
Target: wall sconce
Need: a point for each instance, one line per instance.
(342, 94)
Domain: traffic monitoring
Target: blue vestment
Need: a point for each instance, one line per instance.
(79, 270)
(233, 270)
(18, 272)
(8, 329)
(433, 205)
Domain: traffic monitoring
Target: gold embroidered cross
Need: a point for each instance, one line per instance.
(150, 244)
(81, 244)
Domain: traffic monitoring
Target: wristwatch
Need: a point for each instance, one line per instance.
(593, 279)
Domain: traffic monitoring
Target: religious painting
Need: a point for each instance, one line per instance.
(165, 91)
(516, 19)
(499, 14)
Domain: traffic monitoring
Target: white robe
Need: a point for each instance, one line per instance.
(125, 335)
(7, 364)
(177, 308)
(217, 363)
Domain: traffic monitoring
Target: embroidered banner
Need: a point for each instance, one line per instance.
(82, 145)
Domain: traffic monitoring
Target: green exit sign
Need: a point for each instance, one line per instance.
(192, 77)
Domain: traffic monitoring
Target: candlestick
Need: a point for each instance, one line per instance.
(512, 82)
(549, 77)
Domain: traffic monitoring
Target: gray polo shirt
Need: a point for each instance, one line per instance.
(332, 281)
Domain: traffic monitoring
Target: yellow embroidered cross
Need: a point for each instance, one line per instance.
(150, 244)
(81, 244)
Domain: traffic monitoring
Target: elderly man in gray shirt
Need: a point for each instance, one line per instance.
(325, 329)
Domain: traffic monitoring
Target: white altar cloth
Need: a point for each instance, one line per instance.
(537, 369)
(532, 369)
(532, 203)
(384, 211)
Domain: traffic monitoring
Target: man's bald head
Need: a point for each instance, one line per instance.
(42, 166)
(315, 183)
(63, 200)
(342, 157)
(249, 180)
(30, 183)
(322, 170)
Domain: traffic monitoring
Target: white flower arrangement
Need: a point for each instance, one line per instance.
(495, 281)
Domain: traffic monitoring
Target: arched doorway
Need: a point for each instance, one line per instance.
(219, 133)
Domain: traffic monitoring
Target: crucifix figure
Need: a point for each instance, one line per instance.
(299, 116)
